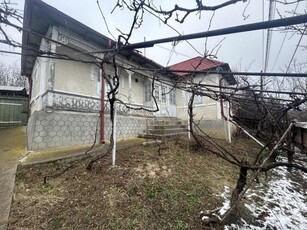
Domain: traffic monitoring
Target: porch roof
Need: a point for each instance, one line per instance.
(13, 90)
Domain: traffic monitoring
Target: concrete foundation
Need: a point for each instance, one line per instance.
(57, 129)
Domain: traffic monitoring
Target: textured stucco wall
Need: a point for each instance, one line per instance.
(213, 128)
(137, 89)
(205, 112)
(209, 109)
(62, 129)
(74, 77)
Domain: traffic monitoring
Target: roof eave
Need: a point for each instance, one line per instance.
(55, 16)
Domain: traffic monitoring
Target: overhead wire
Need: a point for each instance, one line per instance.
(167, 70)
(47, 55)
(184, 55)
(171, 82)
(284, 39)
(171, 27)
(104, 19)
(296, 48)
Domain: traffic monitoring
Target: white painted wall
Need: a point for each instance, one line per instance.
(208, 109)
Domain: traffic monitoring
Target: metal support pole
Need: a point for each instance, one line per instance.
(230, 30)
(114, 135)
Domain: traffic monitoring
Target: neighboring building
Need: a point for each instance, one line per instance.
(68, 96)
(299, 135)
(14, 106)
(210, 113)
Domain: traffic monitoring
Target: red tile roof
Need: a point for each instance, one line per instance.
(197, 63)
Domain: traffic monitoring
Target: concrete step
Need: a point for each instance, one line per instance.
(168, 122)
(165, 127)
(162, 136)
(167, 131)
(174, 126)
(166, 119)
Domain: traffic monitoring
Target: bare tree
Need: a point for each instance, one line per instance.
(12, 18)
(10, 76)
(278, 132)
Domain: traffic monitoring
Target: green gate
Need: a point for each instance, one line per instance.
(13, 111)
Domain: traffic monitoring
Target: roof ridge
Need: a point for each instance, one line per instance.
(194, 58)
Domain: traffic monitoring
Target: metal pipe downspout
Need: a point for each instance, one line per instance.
(30, 86)
(102, 125)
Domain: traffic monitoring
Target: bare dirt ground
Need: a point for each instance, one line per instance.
(144, 190)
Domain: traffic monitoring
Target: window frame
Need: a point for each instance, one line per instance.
(147, 93)
(163, 94)
(172, 96)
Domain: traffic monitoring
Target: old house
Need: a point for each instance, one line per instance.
(68, 99)
(210, 113)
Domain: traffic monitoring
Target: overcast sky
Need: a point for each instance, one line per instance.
(242, 51)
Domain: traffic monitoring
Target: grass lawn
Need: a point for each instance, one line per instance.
(144, 190)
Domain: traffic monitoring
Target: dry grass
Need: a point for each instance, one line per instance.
(144, 191)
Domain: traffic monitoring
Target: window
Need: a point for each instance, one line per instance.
(172, 97)
(147, 92)
(163, 96)
(187, 97)
(98, 85)
(35, 83)
(107, 87)
(198, 99)
(157, 92)
(96, 76)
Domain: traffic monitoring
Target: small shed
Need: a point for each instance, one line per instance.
(14, 106)
(300, 134)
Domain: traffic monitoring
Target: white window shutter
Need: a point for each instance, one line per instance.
(92, 75)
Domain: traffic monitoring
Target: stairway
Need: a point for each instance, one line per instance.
(165, 127)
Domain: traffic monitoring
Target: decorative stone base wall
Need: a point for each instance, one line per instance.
(126, 126)
(56, 129)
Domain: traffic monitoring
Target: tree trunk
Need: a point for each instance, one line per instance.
(240, 186)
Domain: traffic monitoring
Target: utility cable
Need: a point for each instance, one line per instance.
(298, 44)
(104, 19)
(284, 39)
